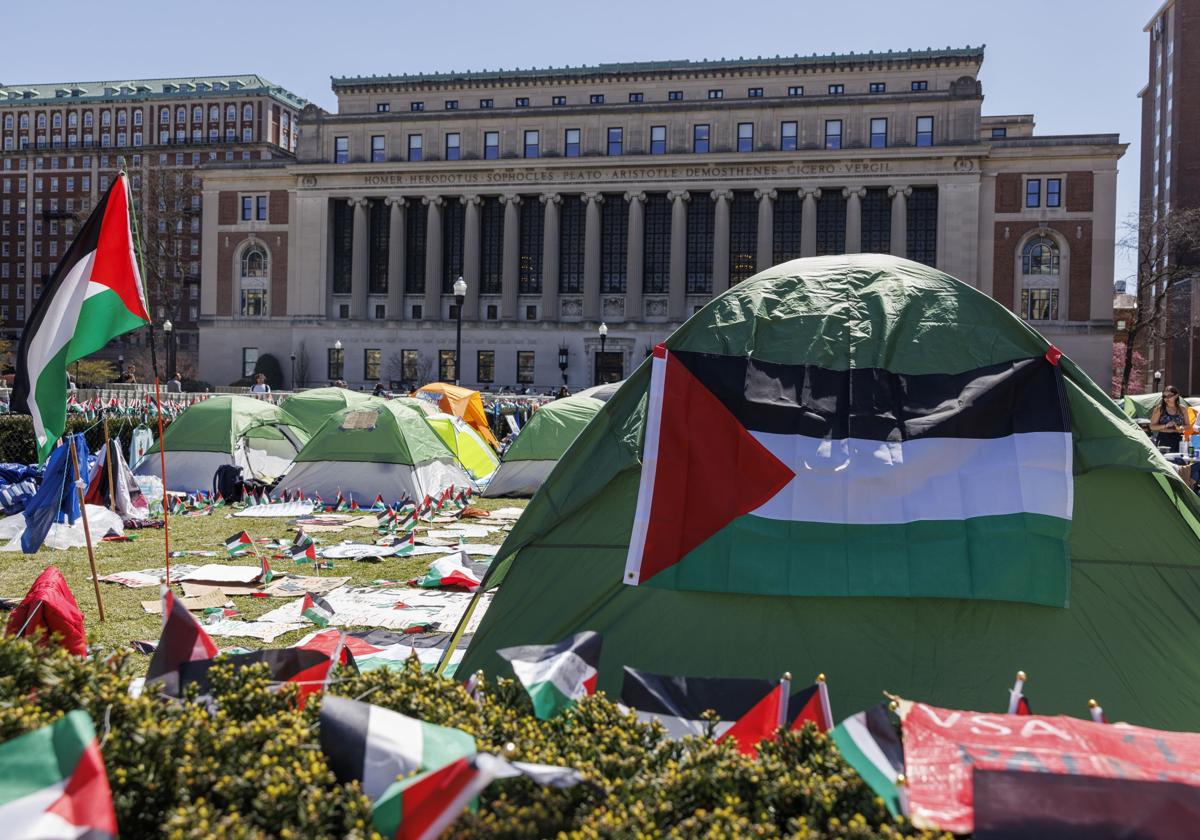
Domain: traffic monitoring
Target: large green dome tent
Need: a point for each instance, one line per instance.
(247, 432)
(314, 406)
(381, 447)
(1085, 572)
(539, 445)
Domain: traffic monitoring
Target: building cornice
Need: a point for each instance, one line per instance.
(68, 94)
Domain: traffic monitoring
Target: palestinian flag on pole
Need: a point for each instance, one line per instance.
(762, 722)
(306, 668)
(304, 552)
(183, 640)
(557, 676)
(679, 703)
(407, 545)
(266, 576)
(339, 503)
(53, 783)
(239, 544)
(95, 295)
(316, 609)
(871, 744)
(793, 479)
(1018, 703)
(379, 504)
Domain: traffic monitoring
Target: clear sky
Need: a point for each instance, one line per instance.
(1076, 64)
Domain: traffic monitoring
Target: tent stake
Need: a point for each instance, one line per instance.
(458, 632)
(87, 531)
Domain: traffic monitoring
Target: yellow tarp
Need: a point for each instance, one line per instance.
(464, 403)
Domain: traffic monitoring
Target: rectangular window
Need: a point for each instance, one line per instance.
(614, 244)
(920, 85)
(341, 150)
(833, 134)
(571, 143)
(837, 90)
(636, 97)
(410, 367)
(521, 102)
(486, 103)
(616, 141)
(450, 105)
(571, 246)
(491, 145)
(745, 137)
(878, 132)
(597, 98)
(416, 106)
(485, 366)
(796, 90)
(754, 93)
(1053, 192)
(787, 136)
(533, 144)
(249, 360)
(415, 147)
(371, 364)
(1039, 304)
(999, 133)
(699, 245)
(674, 96)
(556, 100)
(524, 367)
(531, 312)
(1033, 192)
(877, 87)
(378, 149)
(453, 146)
(417, 311)
(380, 107)
(260, 208)
(716, 93)
(658, 139)
(700, 138)
(924, 131)
(447, 366)
(247, 208)
(380, 311)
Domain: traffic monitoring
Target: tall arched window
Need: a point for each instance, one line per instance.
(256, 269)
(1040, 274)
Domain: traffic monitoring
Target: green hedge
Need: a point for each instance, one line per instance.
(251, 766)
(16, 435)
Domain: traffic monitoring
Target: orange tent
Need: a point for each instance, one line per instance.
(464, 403)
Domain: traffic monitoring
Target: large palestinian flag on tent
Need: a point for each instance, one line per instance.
(94, 296)
(871, 359)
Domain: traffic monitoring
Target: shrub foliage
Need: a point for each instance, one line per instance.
(246, 763)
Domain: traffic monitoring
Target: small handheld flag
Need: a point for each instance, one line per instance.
(267, 575)
(1018, 704)
(239, 544)
(316, 609)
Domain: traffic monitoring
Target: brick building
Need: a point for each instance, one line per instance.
(628, 195)
(61, 144)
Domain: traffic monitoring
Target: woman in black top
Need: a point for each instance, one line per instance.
(1169, 419)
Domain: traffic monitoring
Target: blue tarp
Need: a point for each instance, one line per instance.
(56, 500)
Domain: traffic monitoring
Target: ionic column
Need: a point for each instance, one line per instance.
(677, 292)
(433, 258)
(634, 250)
(766, 229)
(854, 197)
(359, 258)
(591, 256)
(511, 257)
(721, 241)
(900, 219)
(808, 222)
(550, 256)
(397, 227)
(471, 265)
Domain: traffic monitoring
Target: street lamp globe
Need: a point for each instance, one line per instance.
(337, 345)
(603, 330)
(168, 326)
(460, 288)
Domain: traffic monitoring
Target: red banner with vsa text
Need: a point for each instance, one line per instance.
(943, 747)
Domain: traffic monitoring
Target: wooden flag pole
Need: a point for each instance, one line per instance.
(87, 531)
(458, 632)
(162, 463)
(108, 459)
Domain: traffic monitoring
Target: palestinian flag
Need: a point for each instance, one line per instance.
(305, 668)
(239, 544)
(340, 502)
(95, 295)
(316, 609)
(218, 500)
(449, 571)
(792, 479)
(353, 504)
(871, 744)
(812, 706)
(266, 576)
(557, 676)
(761, 723)
(304, 553)
(183, 640)
(379, 504)
(407, 545)
(53, 783)
(1018, 703)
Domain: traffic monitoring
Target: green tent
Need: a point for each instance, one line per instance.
(253, 434)
(313, 407)
(1113, 618)
(1141, 406)
(541, 442)
(377, 448)
(472, 451)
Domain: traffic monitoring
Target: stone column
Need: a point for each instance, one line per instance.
(854, 197)
(591, 257)
(808, 222)
(359, 258)
(471, 265)
(511, 265)
(432, 308)
(635, 243)
(899, 233)
(677, 293)
(550, 256)
(397, 241)
(766, 229)
(721, 241)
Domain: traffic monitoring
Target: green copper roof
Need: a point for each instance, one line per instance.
(682, 65)
(144, 89)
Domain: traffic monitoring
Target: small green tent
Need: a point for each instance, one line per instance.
(381, 447)
(1112, 615)
(541, 442)
(1141, 406)
(261, 438)
(475, 455)
(314, 406)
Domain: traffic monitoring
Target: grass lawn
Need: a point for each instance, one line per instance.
(125, 620)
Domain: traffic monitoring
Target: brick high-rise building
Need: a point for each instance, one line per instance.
(61, 144)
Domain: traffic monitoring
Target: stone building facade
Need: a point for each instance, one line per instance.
(628, 195)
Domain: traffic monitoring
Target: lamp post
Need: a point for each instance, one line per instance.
(460, 294)
(120, 364)
(292, 381)
(563, 357)
(337, 355)
(169, 332)
(1158, 381)
(599, 359)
